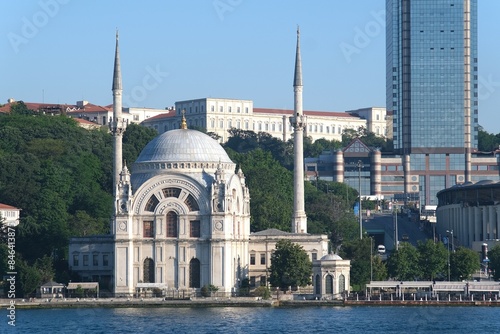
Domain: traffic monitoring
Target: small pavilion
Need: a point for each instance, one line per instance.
(331, 277)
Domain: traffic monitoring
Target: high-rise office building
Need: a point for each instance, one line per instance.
(432, 82)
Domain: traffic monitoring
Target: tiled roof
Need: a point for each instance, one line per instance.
(7, 207)
(166, 114)
(89, 107)
(306, 112)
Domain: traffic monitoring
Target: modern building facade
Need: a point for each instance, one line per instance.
(382, 174)
(469, 214)
(431, 90)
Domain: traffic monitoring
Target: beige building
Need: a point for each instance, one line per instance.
(9, 215)
(262, 245)
(220, 115)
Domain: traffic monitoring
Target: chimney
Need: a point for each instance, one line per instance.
(81, 104)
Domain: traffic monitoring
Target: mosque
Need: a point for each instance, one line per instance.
(182, 217)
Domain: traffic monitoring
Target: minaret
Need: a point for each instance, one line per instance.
(299, 218)
(116, 124)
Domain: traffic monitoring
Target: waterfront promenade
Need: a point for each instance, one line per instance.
(226, 302)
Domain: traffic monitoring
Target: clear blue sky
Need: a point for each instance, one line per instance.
(61, 51)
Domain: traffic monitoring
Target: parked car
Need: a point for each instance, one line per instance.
(405, 237)
(381, 249)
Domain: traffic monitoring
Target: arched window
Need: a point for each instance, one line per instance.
(329, 284)
(152, 203)
(194, 273)
(171, 225)
(171, 192)
(191, 203)
(341, 284)
(317, 285)
(149, 271)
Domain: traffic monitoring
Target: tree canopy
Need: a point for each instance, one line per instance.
(464, 262)
(271, 189)
(290, 266)
(432, 259)
(403, 264)
(60, 175)
(494, 265)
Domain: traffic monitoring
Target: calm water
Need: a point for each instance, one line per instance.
(385, 319)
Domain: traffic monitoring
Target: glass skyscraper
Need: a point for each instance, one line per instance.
(432, 85)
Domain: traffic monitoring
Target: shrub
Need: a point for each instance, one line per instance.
(262, 291)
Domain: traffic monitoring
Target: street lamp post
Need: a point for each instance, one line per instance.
(360, 165)
(396, 225)
(371, 259)
(449, 263)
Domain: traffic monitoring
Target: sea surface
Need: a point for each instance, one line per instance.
(359, 319)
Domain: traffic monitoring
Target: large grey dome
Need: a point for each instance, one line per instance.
(184, 151)
(183, 145)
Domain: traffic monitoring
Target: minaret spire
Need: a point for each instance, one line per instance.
(117, 75)
(116, 124)
(297, 78)
(299, 218)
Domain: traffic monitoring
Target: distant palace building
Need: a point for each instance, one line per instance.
(220, 115)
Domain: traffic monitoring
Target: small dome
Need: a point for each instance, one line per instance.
(331, 257)
(183, 145)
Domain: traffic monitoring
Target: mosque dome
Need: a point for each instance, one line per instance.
(183, 145)
(182, 151)
(331, 257)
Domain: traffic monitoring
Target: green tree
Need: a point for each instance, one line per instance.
(42, 159)
(329, 213)
(403, 263)
(271, 189)
(262, 291)
(349, 134)
(4, 258)
(243, 141)
(432, 259)
(290, 266)
(464, 263)
(82, 224)
(135, 138)
(487, 142)
(494, 265)
(379, 269)
(20, 108)
(314, 149)
(359, 252)
(31, 276)
(208, 290)
(370, 139)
